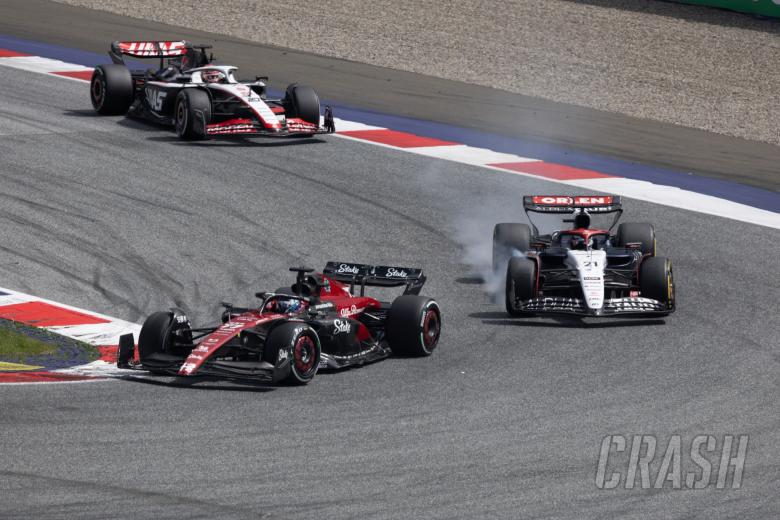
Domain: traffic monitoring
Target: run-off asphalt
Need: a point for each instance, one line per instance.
(505, 420)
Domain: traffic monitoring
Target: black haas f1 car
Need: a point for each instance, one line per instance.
(321, 321)
(582, 271)
(199, 98)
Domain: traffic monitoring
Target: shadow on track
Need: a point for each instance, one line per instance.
(201, 383)
(234, 141)
(470, 280)
(501, 318)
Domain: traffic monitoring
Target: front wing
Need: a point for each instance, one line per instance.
(261, 372)
(633, 306)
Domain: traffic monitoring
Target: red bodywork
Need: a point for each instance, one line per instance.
(333, 291)
(585, 233)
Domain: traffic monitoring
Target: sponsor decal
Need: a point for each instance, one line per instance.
(346, 268)
(558, 200)
(283, 355)
(152, 48)
(351, 310)
(181, 318)
(341, 326)
(155, 98)
(188, 368)
(395, 273)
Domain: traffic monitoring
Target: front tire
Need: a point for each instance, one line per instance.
(508, 238)
(301, 345)
(302, 102)
(656, 280)
(192, 114)
(413, 325)
(111, 89)
(520, 283)
(155, 336)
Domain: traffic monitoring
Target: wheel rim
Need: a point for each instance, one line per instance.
(431, 329)
(98, 92)
(304, 355)
(181, 117)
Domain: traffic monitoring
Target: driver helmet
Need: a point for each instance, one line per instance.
(288, 306)
(576, 242)
(212, 76)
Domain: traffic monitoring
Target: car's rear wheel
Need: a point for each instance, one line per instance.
(509, 238)
(637, 232)
(300, 344)
(656, 280)
(111, 89)
(302, 102)
(192, 114)
(520, 283)
(413, 325)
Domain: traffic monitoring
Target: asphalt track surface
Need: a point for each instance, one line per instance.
(505, 420)
(545, 123)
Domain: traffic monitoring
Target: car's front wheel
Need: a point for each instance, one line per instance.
(300, 344)
(520, 283)
(192, 114)
(302, 102)
(656, 280)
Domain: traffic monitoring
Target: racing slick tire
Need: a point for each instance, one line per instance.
(520, 283)
(633, 232)
(506, 238)
(656, 280)
(111, 89)
(155, 336)
(302, 101)
(413, 325)
(301, 345)
(192, 114)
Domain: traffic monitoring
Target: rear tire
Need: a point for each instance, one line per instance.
(520, 283)
(633, 232)
(656, 280)
(508, 238)
(302, 346)
(155, 336)
(302, 102)
(111, 89)
(192, 114)
(413, 325)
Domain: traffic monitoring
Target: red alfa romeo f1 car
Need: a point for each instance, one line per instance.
(199, 98)
(321, 321)
(582, 271)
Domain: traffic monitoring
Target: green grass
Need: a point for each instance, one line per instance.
(16, 347)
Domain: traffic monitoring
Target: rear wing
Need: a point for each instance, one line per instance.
(376, 275)
(159, 49)
(580, 205)
(570, 204)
